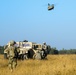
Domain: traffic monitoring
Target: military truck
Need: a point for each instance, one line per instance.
(30, 50)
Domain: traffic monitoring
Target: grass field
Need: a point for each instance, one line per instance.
(54, 65)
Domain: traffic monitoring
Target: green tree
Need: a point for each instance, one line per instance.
(1, 49)
(54, 51)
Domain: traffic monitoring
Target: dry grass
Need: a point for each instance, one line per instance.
(55, 65)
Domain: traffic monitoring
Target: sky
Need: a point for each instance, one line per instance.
(30, 20)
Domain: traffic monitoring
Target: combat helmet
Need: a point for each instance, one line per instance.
(12, 42)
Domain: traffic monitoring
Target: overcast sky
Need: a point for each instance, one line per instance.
(30, 20)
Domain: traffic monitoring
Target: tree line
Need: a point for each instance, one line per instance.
(1, 49)
(62, 51)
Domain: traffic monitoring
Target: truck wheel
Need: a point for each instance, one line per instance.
(37, 56)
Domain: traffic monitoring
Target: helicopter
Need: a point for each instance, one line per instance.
(50, 7)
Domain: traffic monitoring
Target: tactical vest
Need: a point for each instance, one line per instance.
(11, 52)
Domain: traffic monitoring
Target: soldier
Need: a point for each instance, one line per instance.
(12, 55)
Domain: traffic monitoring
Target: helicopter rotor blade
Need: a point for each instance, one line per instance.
(55, 4)
(45, 5)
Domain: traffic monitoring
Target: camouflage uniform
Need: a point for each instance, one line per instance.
(12, 55)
